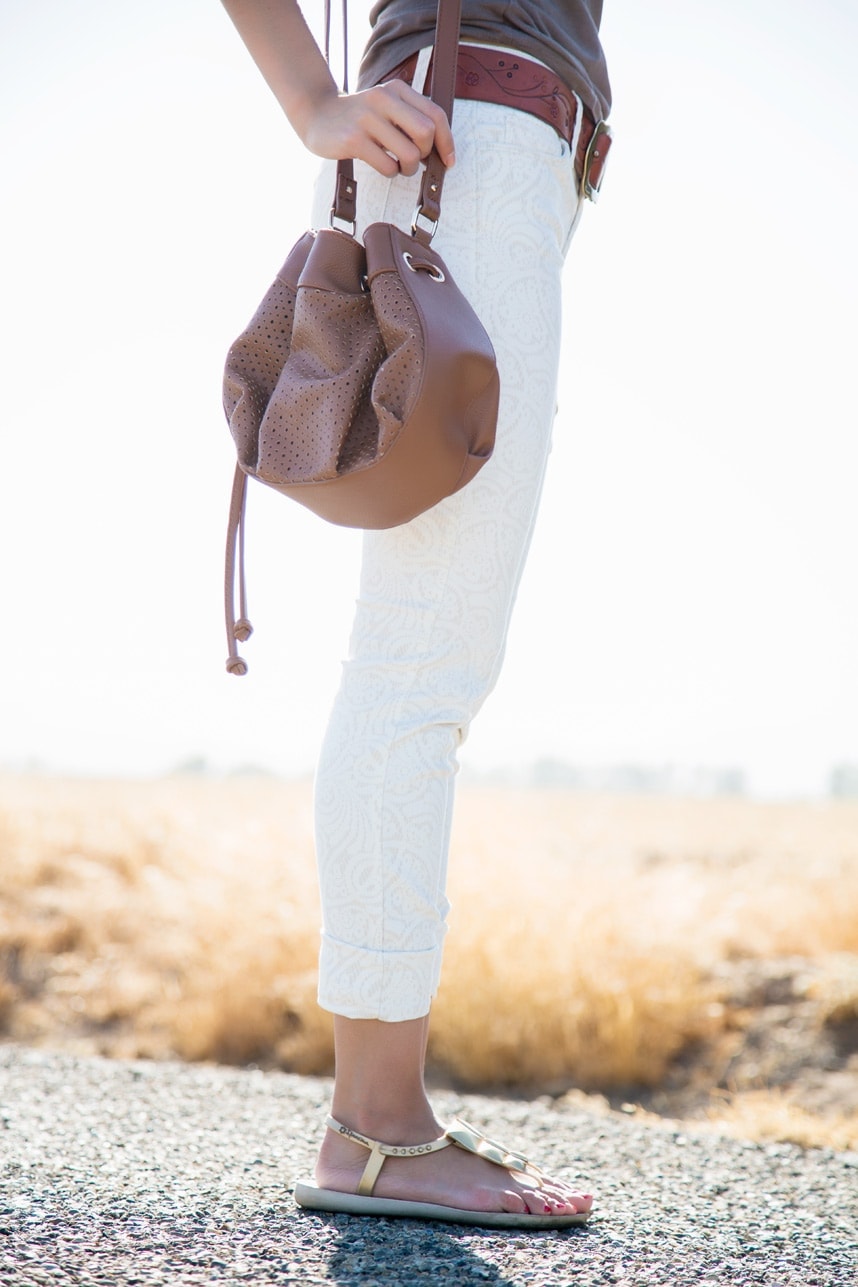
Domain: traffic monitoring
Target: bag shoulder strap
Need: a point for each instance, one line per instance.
(442, 92)
(345, 41)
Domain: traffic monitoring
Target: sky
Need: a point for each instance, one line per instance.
(691, 594)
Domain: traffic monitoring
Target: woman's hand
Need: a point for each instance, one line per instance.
(390, 126)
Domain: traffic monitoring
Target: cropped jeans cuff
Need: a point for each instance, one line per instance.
(361, 983)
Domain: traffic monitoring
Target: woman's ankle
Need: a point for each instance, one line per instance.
(378, 1089)
(411, 1122)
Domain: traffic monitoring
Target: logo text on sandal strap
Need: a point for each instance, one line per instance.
(353, 1135)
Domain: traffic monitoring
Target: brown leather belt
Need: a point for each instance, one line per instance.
(515, 81)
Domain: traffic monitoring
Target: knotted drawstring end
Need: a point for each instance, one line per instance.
(240, 628)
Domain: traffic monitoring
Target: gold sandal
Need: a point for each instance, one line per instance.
(463, 1136)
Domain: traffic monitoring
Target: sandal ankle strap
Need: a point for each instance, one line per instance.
(379, 1152)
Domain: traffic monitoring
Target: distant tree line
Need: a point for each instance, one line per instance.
(843, 782)
(620, 779)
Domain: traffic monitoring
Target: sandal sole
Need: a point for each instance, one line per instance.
(313, 1199)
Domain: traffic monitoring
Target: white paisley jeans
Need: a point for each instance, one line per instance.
(436, 594)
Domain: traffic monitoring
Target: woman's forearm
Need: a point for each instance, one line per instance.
(390, 126)
(283, 48)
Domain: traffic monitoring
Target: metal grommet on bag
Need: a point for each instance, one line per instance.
(436, 273)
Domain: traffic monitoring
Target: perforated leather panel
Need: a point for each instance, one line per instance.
(253, 367)
(320, 385)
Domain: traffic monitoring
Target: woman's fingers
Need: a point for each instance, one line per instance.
(423, 121)
(390, 126)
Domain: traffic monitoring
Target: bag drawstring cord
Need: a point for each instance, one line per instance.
(240, 629)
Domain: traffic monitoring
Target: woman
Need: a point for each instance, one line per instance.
(436, 594)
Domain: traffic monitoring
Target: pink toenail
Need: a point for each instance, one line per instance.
(547, 1209)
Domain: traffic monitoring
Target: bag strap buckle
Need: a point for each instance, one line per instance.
(424, 232)
(344, 207)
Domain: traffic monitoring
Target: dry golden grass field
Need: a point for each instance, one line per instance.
(677, 956)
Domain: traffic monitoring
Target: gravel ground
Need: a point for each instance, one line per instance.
(149, 1173)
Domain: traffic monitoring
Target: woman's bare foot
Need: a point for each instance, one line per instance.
(450, 1177)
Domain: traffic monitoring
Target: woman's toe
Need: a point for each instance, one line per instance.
(514, 1203)
(566, 1202)
(573, 1199)
(539, 1202)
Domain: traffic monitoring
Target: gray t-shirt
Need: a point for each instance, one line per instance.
(564, 34)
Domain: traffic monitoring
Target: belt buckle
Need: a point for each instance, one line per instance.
(593, 169)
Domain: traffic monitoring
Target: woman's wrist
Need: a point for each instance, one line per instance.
(307, 107)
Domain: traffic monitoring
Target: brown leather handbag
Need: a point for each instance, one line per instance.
(365, 386)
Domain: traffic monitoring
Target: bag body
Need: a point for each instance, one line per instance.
(365, 386)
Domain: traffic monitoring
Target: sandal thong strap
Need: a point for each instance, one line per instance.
(460, 1133)
(468, 1137)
